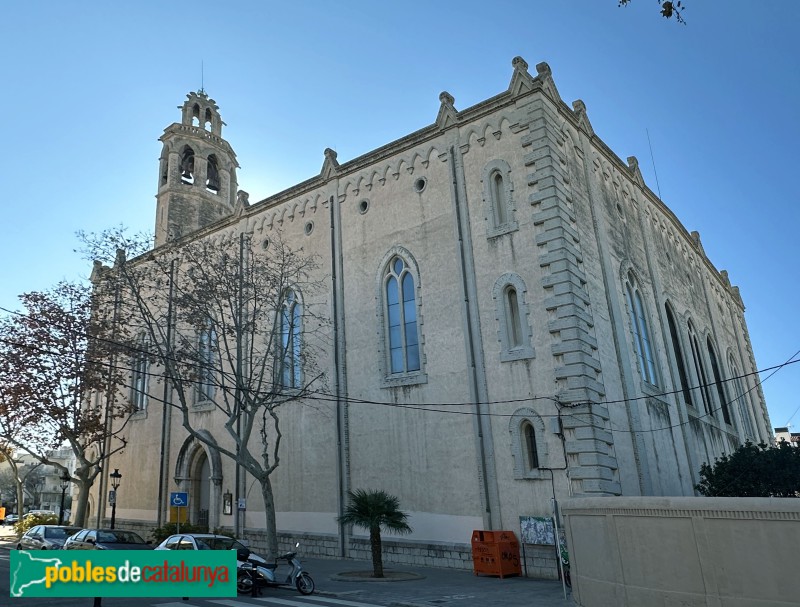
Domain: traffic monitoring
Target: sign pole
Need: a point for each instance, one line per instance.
(178, 500)
(558, 548)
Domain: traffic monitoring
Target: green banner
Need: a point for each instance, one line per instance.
(123, 573)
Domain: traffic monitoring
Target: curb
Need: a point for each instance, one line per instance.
(366, 576)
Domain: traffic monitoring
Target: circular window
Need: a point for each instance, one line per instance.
(363, 206)
(309, 228)
(420, 184)
(265, 244)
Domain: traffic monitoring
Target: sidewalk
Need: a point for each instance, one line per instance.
(435, 587)
(427, 586)
(8, 537)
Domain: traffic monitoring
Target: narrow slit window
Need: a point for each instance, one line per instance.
(715, 369)
(678, 351)
(531, 453)
(513, 322)
(290, 341)
(499, 203)
(140, 364)
(207, 347)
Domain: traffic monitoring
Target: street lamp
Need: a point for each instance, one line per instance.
(65, 479)
(112, 495)
(38, 485)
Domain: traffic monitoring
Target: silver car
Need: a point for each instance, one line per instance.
(46, 537)
(200, 541)
(106, 539)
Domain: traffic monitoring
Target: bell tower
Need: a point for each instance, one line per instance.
(197, 171)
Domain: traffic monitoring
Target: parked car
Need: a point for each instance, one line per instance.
(106, 539)
(10, 519)
(46, 537)
(204, 541)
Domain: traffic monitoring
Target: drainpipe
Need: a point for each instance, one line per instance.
(338, 378)
(166, 413)
(474, 348)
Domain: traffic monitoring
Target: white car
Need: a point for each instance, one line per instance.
(202, 541)
(46, 537)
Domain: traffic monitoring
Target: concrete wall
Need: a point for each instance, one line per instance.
(687, 551)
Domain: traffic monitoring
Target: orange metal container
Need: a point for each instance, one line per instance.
(495, 553)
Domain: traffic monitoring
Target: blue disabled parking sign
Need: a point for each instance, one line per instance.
(179, 499)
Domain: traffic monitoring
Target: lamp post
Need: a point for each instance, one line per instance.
(64, 478)
(38, 485)
(112, 495)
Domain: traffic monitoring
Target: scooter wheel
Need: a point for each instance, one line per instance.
(304, 583)
(244, 583)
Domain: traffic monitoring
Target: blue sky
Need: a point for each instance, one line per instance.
(88, 87)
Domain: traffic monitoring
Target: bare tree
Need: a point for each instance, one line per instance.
(669, 9)
(18, 478)
(233, 327)
(54, 381)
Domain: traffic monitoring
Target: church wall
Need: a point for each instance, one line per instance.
(581, 224)
(598, 234)
(305, 482)
(426, 458)
(133, 495)
(525, 383)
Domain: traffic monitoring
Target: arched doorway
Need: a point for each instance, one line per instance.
(199, 504)
(198, 471)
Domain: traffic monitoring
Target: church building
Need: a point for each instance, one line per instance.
(512, 316)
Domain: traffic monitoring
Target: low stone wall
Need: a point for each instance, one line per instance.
(395, 551)
(688, 551)
(400, 552)
(538, 561)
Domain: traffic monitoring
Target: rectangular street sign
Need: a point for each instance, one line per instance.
(179, 499)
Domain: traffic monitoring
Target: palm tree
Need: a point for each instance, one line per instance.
(375, 510)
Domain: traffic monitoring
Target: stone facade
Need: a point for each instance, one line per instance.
(569, 337)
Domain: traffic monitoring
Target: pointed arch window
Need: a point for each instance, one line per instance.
(291, 328)
(678, 352)
(212, 174)
(498, 198)
(206, 353)
(196, 115)
(187, 165)
(700, 370)
(742, 399)
(401, 318)
(140, 365)
(715, 368)
(641, 331)
(164, 167)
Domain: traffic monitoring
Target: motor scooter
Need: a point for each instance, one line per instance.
(254, 573)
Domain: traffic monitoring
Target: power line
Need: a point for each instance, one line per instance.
(423, 406)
